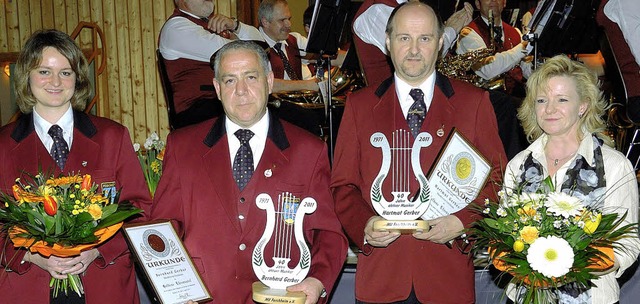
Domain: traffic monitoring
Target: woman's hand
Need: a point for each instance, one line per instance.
(59, 267)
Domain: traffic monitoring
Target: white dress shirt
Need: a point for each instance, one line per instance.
(503, 62)
(260, 130)
(302, 46)
(626, 13)
(42, 128)
(403, 89)
(181, 38)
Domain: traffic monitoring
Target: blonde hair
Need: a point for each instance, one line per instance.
(587, 86)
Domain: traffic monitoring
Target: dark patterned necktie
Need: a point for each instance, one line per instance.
(243, 162)
(60, 149)
(287, 66)
(417, 112)
(497, 32)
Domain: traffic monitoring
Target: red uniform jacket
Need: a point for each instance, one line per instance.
(375, 64)
(220, 225)
(102, 148)
(432, 270)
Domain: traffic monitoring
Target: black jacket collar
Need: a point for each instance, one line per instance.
(276, 132)
(442, 82)
(81, 121)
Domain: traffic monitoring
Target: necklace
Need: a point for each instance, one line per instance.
(555, 161)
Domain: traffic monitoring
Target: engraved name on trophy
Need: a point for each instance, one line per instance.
(402, 162)
(284, 231)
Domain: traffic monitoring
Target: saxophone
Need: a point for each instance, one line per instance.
(462, 66)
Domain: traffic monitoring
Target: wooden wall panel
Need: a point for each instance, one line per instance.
(130, 91)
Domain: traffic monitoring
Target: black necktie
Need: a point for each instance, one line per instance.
(287, 66)
(243, 162)
(417, 111)
(60, 149)
(497, 32)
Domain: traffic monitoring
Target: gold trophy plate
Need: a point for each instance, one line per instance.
(402, 226)
(263, 294)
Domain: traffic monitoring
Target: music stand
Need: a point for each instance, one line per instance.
(565, 26)
(327, 23)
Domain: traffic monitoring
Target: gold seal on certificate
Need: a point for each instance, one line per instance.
(457, 177)
(284, 237)
(166, 264)
(401, 163)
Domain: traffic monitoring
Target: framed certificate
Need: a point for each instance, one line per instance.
(165, 263)
(457, 177)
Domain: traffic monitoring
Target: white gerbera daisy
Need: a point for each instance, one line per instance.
(563, 204)
(551, 256)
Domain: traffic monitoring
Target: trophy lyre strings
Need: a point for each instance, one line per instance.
(402, 162)
(284, 219)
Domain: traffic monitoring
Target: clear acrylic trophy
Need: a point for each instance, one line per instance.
(284, 231)
(401, 163)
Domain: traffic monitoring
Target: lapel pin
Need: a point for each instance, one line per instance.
(268, 173)
(84, 163)
(440, 131)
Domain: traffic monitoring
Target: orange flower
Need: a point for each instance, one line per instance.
(50, 205)
(161, 155)
(64, 180)
(86, 183)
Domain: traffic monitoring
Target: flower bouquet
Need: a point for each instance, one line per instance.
(61, 216)
(151, 160)
(545, 240)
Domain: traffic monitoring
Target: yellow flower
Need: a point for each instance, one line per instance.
(518, 246)
(527, 210)
(591, 223)
(95, 210)
(47, 190)
(155, 166)
(529, 234)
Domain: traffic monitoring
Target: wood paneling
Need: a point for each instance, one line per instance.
(130, 91)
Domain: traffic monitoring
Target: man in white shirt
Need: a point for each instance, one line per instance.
(286, 48)
(187, 41)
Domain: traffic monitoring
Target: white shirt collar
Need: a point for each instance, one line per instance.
(403, 89)
(270, 41)
(260, 130)
(192, 15)
(42, 127)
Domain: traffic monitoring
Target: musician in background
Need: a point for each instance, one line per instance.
(369, 35)
(213, 172)
(621, 21)
(187, 41)
(510, 49)
(286, 48)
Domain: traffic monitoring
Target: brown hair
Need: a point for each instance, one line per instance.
(30, 58)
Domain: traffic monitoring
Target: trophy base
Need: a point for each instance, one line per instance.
(265, 294)
(402, 226)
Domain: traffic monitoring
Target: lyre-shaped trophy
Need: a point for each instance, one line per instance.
(402, 162)
(284, 224)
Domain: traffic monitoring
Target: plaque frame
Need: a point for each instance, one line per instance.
(480, 171)
(134, 233)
